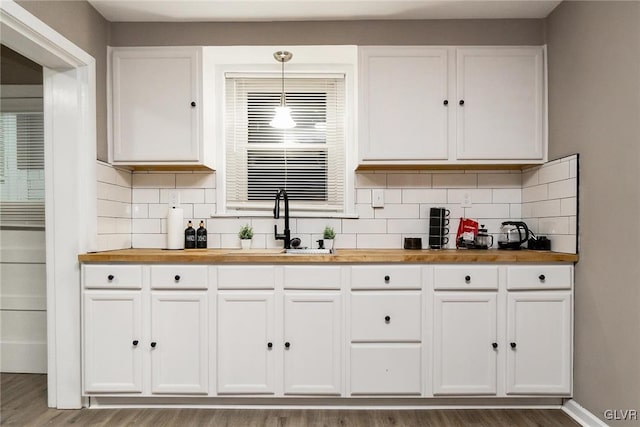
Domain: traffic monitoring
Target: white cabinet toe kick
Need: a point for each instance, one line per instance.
(396, 335)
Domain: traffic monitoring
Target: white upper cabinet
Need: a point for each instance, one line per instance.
(403, 115)
(447, 106)
(500, 104)
(157, 107)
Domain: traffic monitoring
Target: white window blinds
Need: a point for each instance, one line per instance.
(308, 161)
(21, 169)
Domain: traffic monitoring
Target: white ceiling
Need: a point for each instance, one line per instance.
(317, 10)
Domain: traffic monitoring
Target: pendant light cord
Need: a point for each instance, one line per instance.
(283, 100)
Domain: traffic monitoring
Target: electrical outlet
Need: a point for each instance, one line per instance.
(377, 200)
(174, 198)
(466, 200)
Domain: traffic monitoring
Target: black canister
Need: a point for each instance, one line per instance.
(190, 237)
(201, 237)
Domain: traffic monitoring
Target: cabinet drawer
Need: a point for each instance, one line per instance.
(179, 277)
(386, 369)
(539, 277)
(312, 277)
(461, 277)
(385, 277)
(386, 316)
(112, 276)
(246, 277)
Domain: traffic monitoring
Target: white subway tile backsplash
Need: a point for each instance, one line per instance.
(499, 180)
(412, 195)
(546, 208)
(229, 240)
(398, 211)
(344, 241)
(210, 195)
(363, 196)
(146, 226)
(364, 210)
(573, 168)
(317, 225)
(530, 178)
(203, 210)
(106, 225)
(187, 195)
(153, 241)
(553, 225)
(145, 195)
(455, 180)
(515, 211)
(510, 195)
(477, 196)
(196, 180)
(154, 180)
(259, 241)
(371, 180)
(393, 196)
(455, 210)
(113, 209)
(381, 241)
(535, 193)
(573, 225)
(159, 210)
(262, 225)
(402, 180)
(358, 226)
(563, 243)
(563, 189)
(123, 225)
(405, 226)
(228, 225)
(569, 206)
(553, 172)
(480, 211)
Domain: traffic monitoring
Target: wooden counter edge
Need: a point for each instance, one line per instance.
(343, 256)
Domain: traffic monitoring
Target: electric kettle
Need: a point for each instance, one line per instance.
(513, 234)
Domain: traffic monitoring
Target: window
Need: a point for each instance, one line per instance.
(21, 169)
(308, 161)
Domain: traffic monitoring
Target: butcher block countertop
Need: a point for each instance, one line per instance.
(275, 256)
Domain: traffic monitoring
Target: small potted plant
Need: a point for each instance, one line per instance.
(328, 236)
(245, 234)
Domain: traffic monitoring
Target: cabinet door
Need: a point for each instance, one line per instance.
(464, 337)
(154, 119)
(112, 342)
(503, 113)
(179, 343)
(539, 335)
(403, 115)
(313, 340)
(246, 346)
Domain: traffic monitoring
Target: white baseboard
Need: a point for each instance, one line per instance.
(581, 415)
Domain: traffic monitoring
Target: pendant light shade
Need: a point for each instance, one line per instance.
(282, 118)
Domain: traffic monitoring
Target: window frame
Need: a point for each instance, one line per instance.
(318, 61)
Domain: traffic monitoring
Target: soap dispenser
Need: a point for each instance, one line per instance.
(190, 237)
(201, 237)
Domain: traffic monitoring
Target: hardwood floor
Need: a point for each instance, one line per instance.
(23, 402)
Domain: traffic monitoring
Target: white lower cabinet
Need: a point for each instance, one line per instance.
(364, 330)
(246, 338)
(539, 336)
(112, 333)
(465, 343)
(313, 343)
(179, 342)
(386, 369)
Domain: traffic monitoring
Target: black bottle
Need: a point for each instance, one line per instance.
(190, 237)
(201, 237)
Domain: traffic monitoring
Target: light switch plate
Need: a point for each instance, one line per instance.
(174, 198)
(377, 199)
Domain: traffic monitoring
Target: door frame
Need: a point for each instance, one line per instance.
(69, 80)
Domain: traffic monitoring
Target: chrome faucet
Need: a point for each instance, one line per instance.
(286, 236)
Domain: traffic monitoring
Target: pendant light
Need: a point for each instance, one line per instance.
(282, 119)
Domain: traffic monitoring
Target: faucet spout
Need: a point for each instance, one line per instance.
(286, 235)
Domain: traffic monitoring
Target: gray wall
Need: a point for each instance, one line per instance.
(83, 25)
(434, 32)
(15, 69)
(594, 110)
